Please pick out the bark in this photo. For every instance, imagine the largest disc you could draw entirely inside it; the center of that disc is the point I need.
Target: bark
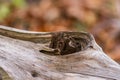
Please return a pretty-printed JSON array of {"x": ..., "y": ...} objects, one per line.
[{"x": 21, "y": 59}]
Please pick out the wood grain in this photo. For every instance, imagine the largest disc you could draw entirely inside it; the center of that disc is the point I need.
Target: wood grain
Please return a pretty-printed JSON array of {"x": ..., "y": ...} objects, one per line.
[{"x": 21, "y": 60}]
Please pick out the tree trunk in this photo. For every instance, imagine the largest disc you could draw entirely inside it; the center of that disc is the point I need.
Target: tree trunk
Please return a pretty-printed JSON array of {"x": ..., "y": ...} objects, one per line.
[{"x": 21, "y": 59}]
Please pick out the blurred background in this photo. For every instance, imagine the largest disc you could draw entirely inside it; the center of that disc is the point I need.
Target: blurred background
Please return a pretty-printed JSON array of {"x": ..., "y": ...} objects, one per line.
[{"x": 99, "y": 17}]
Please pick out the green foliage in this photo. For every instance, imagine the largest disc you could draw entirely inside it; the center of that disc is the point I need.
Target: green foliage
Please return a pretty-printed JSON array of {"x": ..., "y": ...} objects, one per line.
[
  {"x": 4, "y": 11},
  {"x": 18, "y": 3},
  {"x": 5, "y": 7}
]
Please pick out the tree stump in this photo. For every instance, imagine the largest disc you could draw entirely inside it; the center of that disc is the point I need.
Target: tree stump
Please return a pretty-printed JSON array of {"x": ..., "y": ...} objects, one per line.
[{"x": 29, "y": 56}]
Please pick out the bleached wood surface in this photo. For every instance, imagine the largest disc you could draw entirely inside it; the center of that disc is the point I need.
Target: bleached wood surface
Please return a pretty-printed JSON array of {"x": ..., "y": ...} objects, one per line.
[{"x": 21, "y": 60}]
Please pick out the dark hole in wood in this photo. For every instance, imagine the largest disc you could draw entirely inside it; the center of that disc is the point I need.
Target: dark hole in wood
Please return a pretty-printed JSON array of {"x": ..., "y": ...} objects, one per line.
[
  {"x": 69, "y": 42},
  {"x": 49, "y": 52},
  {"x": 34, "y": 74}
]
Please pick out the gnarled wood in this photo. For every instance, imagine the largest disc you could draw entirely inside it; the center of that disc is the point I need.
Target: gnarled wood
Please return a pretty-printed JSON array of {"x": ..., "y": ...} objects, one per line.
[{"x": 21, "y": 60}]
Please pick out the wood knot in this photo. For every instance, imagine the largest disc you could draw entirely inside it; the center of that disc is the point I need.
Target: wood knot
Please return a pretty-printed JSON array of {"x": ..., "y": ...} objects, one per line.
[{"x": 70, "y": 42}]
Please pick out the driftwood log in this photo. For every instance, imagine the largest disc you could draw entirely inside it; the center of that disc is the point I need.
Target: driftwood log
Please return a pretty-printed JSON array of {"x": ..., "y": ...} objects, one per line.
[{"x": 53, "y": 56}]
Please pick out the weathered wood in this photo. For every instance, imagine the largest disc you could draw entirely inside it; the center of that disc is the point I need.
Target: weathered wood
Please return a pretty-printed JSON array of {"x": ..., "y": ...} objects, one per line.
[{"x": 21, "y": 60}]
